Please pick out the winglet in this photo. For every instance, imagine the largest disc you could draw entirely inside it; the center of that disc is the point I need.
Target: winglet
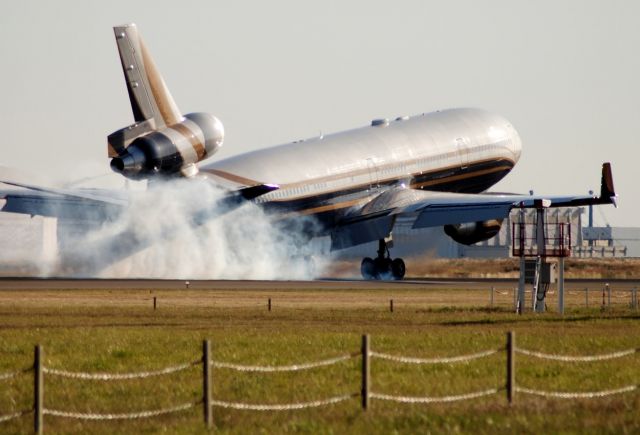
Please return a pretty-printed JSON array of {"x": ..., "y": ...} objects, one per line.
[{"x": 607, "y": 191}]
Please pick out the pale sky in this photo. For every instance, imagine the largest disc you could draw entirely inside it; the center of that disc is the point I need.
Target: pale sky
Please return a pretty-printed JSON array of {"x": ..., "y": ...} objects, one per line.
[{"x": 565, "y": 73}]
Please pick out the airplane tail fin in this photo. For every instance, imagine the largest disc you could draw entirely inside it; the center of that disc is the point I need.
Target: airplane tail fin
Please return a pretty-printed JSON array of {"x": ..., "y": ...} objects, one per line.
[
  {"x": 607, "y": 191},
  {"x": 151, "y": 102}
]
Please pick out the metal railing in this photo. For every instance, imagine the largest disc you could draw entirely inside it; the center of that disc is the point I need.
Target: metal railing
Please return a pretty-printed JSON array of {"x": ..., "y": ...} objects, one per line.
[{"x": 557, "y": 240}]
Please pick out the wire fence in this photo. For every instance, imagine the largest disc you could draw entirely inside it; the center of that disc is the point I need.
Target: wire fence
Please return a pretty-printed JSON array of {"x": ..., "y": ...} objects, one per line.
[
  {"x": 366, "y": 394},
  {"x": 126, "y": 416},
  {"x": 605, "y": 297},
  {"x": 443, "y": 360},
  {"x": 290, "y": 368},
  {"x": 118, "y": 376},
  {"x": 14, "y": 415},
  {"x": 7, "y": 376},
  {"x": 442, "y": 399},
  {"x": 575, "y": 358},
  {"x": 11, "y": 375},
  {"x": 577, "y": 395},
  {"x": 284, "y": 407}
]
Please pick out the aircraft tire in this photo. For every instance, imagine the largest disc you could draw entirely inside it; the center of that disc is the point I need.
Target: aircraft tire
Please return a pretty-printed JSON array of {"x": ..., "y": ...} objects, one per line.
[
  {"x": 368, "y": 268},
  {"x": 398, "y": 268},
  {"x": 383, "y": 268}
]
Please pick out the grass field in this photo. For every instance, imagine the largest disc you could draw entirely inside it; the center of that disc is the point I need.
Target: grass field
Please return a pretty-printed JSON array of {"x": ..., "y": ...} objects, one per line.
[
  {"x": 425, "y": 266},
  {"x": 118, "y": 331}
]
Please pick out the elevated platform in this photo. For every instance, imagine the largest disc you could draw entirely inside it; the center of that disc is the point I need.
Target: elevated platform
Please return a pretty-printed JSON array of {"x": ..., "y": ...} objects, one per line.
[{"x": 556, "y": 237}]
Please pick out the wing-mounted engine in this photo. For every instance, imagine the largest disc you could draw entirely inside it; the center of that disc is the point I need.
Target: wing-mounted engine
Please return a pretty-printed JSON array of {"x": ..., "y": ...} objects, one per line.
[
  {"x": 473, "y": 232},
  {"x": 161, "y": 141},
  {"x": 172, "y": 150}
]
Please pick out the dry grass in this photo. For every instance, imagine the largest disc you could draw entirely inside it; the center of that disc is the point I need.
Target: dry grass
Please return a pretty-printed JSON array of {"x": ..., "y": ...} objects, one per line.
[
  {"x": 118, "y": 331},
  {"x": 426, "y": 267}
]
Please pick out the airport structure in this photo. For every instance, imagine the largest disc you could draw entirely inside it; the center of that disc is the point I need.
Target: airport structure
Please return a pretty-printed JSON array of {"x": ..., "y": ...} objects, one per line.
[
  {"x": 586, "y": 241},
  {"x": 27, "y": 243}
]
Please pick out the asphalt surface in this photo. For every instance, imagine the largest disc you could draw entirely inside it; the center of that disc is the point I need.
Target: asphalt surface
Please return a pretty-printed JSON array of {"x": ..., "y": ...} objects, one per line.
[{"x": 329, "y": 284}]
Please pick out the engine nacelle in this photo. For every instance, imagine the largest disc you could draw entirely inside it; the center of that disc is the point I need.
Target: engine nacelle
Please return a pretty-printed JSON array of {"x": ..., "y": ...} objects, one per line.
[
  {"x": 473, "y": 232},
  {"x": 171, "y": 150}
]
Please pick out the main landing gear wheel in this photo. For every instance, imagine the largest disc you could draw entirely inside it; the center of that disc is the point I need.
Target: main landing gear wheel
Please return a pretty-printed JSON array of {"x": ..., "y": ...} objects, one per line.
[
  {"x": 398, "y": 268},
  {"x": 382, "y": 267},
  {"x": 368, "y": 268}
]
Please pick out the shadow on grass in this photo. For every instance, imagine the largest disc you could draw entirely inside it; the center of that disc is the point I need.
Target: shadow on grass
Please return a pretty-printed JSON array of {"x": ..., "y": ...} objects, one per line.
[{"x": 540, "y": 318}]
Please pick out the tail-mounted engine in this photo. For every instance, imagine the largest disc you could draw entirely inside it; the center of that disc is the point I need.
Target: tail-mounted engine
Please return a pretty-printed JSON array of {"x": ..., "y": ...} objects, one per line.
[
  {"x": 172, "y": 150},
  {"x": 473, "y": 232},
  {"x": 162, "y": 141}
]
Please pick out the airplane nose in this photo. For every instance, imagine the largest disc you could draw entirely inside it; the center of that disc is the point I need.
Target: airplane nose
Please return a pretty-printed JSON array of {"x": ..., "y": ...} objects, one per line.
[{"x": 515, "y": 143}]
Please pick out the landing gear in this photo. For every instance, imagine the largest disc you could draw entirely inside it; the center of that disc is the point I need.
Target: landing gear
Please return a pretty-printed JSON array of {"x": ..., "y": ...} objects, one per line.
[
  {"x": 397, "y": 268},
  {"x": 368, "y": 268},
  {"x": 382, "y": 267}
]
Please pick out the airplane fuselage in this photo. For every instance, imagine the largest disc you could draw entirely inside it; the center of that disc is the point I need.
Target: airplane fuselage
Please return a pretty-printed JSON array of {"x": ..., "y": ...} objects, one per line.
[{"x": 456, "y": 150}]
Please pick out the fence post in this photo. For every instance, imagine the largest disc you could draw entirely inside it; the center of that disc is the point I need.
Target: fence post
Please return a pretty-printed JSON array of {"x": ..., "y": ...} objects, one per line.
[
  {"x": 269, "y": 304},
  {"x": 493, "y": 289},
  {"x": 511, "y": 366},
  {"x": 561, "y": 286},
  {"x": 586, "y": 297},
  {"x": 366, "y": 372},
  {"x": 608, "y": 295},
  {"x": 391, "y": 305},
  {"x": 206, "y": 383},
  {"x": 155, "y": 303},
  {"x": 38, "y": 390}
]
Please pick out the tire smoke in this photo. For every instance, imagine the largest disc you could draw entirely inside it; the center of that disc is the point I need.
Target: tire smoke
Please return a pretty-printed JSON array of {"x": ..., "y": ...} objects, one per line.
[{"x": 183, "y": 229}]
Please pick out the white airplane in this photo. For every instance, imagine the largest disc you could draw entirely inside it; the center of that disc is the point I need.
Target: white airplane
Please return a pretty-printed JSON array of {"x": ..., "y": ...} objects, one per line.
[{"x": 353, "y": 185}]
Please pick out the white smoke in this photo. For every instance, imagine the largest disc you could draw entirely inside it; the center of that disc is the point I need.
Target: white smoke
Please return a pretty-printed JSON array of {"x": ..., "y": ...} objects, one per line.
[{"x": 176, "y": 230}]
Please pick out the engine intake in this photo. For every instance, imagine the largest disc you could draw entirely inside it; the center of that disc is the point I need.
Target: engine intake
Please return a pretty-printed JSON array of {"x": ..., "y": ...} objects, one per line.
[
  {"x": 171, "y": 150},
  {"x": 473, "y": 232}
]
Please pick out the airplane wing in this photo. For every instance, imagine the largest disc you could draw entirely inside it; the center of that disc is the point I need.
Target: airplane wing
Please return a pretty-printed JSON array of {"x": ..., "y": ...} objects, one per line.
[
  {"x": 375, "y": 220},
  {"x": 62, "y": 203},
  {"x": 86, "y": 194},
  {"x": 102, "y": 203},
  {"x": 99, "y": 206}
]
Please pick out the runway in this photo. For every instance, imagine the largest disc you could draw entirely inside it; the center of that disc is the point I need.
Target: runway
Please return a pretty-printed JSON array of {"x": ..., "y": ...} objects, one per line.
[{"x": 321, "y": 284}]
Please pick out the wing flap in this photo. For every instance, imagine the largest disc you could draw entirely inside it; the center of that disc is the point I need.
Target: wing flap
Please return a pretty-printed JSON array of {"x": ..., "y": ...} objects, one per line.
[
  {"x": 435, "y": 216},
  {"x": 357, "y": 233}
]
